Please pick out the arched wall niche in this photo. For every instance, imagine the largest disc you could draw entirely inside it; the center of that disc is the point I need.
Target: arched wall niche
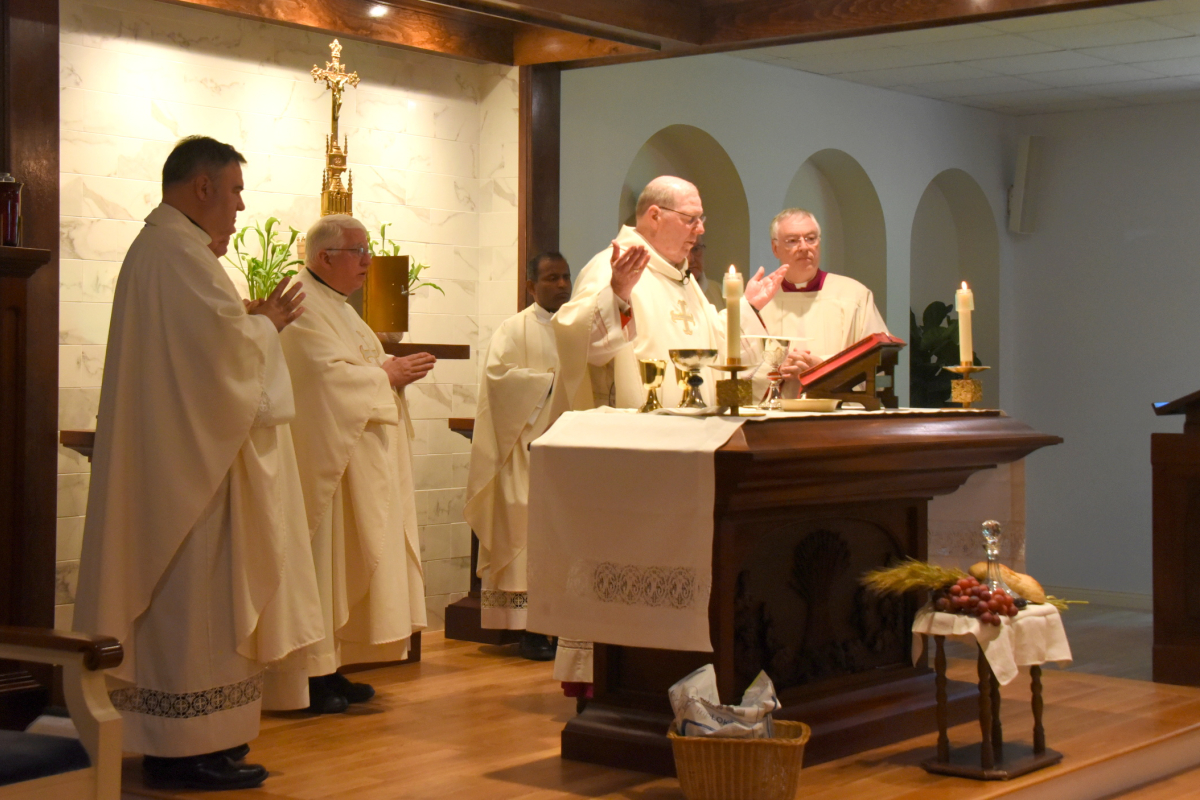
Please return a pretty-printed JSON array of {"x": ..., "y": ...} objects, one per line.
[
  {"x": 693, "y": 154},
  {"x": 954, "y": 239},
  {"x": 836, "y": 189}
]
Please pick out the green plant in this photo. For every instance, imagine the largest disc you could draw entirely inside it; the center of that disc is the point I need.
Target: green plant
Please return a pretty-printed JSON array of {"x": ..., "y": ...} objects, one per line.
[
  {"x": 383, "y": 246},
  {"x": 933, "y": 344},
  {"x": 274, "y": 260}
]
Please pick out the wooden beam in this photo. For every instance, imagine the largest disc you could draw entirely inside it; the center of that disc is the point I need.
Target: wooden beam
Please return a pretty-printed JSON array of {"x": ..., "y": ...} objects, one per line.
[
  {"x": 407, "y": 24},
  {"x": 538, "y": 166},
  {"x": 769, "y": 22},
  {"x": 665, "y": 20},
  {"x": 546, "y": 46}
]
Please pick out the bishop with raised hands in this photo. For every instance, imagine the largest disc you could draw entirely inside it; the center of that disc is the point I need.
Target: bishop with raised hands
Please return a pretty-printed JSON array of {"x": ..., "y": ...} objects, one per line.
[
  {"x": 514, "y": 409},
  {"x": 636, "y": 300},
  {"x": 196, "y": 552},
  {"x": 353, "y": 437}
]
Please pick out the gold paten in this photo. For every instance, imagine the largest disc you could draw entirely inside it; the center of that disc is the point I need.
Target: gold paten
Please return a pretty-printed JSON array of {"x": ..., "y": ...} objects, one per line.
[
  {"x": 336, "y": 198},
  {"x": 652, "y": 371}
]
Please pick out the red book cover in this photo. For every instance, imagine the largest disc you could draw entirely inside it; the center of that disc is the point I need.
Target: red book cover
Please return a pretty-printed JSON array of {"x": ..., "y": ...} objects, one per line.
[{"x": 851, "y": 354}]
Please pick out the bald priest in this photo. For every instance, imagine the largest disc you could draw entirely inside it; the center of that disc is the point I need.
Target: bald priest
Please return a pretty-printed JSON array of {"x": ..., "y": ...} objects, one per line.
[
  {"x": 196, "y": 552},
  {"x": 353, "y": 437},
  {"x": 514, "y": 409}
]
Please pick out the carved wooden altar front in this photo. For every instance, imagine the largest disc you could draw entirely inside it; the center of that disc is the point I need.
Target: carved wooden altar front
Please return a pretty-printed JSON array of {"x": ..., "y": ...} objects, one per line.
[{"x": 803, "y": 507}]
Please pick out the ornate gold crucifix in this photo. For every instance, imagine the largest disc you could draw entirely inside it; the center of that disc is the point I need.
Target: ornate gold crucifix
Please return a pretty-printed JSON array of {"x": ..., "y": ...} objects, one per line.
[{"x": 334, "y": 198}]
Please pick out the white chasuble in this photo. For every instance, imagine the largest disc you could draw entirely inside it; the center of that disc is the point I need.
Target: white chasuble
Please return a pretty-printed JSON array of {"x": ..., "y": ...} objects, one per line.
[
  {"x": 513, "y": 410},
  {"x": 196, "y": 552},
  {"x": 832, "y": 318},
  {"x": 352, "y": 434},
  {"x": 598, "y": 359}
]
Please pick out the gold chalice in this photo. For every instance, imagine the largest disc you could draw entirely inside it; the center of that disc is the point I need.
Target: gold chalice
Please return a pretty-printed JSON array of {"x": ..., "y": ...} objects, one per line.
[
  {"x": 652, "y": 371},
  {"x": 691, "y": 362}
]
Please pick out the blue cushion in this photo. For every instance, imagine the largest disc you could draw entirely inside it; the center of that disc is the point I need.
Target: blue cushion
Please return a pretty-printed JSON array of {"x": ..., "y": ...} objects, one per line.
[{"x": 26, "y": 756}]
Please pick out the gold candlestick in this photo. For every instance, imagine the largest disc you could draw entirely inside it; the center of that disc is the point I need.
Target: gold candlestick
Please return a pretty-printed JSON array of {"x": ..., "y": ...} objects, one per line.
[
  {"x": 966, "y": 390},
  {"x": 734, "y": 392}
]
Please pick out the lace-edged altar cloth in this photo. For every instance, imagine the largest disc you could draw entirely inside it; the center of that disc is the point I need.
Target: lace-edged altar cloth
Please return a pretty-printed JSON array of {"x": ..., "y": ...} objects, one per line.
[
  {"x": 1034, "y": 636},
  {"x": 621, "y": 528}
]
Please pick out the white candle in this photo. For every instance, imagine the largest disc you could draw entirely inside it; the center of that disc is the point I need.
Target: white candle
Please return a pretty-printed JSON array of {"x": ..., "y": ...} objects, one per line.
[
  {"x": 733, "y": 316},
  {"x": 964, "y": 304}
]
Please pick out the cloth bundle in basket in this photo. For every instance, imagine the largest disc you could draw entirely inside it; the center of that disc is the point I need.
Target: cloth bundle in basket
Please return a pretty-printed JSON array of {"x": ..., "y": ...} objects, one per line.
[{"x": 698, "y": 709}]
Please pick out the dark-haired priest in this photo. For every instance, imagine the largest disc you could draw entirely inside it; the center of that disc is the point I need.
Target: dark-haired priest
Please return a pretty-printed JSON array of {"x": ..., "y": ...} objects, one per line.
[
  {"x": 515, "y": 381},
  {"x": 195, "y": 551}
]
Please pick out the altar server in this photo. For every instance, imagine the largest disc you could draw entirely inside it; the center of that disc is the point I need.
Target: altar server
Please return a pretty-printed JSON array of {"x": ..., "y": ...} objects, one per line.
[
  {"x": 353, "y": 436},
  {"x": 195, "y": 552},
  {"x": 833, "y": 311},
  {"x": 637, "y": 301},
  {"x": 513, "y": 410}
]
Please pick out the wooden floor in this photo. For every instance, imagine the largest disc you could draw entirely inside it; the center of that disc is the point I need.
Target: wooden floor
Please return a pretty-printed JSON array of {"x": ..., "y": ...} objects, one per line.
[{"x": 472, "y": 721}]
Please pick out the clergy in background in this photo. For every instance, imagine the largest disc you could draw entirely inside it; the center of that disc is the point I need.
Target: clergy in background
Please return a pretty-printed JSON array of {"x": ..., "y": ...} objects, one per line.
[
  {"x": 195, "y": 551},
  {"x": 695, "y": 259},
  {"x": 832, "y": 311},
  {"x": 353, "y": 436},
  {"x": 514, "y": 409},
  {"x": 638, "y": 301}
]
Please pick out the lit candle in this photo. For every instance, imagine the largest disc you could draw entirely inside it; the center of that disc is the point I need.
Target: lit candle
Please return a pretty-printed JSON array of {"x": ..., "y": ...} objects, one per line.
[
  {"x": 964, "y": 304},
  {"x": 733, "y": 316}
]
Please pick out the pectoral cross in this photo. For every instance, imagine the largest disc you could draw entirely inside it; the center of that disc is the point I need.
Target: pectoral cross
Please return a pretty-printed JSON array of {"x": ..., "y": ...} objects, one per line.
[
  {"x": 685, "y": 316},
  {"x": 337, "y": 79}
]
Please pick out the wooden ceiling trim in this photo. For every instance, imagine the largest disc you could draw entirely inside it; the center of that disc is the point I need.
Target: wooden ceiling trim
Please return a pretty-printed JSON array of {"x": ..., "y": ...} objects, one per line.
[
  {"x": 413, "y": 25},
  {"x": 665, "y": 20},
  {"x": 545, "y": 46},
  {"x": 554, "y": 22}
]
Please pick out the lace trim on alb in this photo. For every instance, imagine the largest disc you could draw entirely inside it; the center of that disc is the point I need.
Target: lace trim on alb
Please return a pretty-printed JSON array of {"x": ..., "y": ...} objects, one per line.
[
  {"x": 495, "y": 598},
  {"x": 171, "y": 705},
  {"x": 633, "y": 585}
]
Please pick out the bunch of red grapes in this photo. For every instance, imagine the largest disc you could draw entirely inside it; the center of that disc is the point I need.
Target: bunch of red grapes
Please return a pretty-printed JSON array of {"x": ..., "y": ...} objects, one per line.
[{"x": 968, "y": 596}]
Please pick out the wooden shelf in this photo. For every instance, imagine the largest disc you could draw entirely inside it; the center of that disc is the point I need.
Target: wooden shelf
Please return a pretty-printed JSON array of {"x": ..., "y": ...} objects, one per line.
[
  {"x": 21, "y": 262},
  {"x": 448, "y": 352}
]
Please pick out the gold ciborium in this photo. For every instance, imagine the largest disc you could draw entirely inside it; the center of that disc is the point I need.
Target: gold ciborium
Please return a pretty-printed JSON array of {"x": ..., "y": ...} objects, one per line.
[
  {"x": 691, "y": 362},
  {"x": 652, "y": 371}
]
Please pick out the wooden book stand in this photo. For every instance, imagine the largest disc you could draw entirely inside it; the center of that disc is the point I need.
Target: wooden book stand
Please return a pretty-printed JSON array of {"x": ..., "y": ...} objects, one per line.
[{"x": 837, "y": 377}]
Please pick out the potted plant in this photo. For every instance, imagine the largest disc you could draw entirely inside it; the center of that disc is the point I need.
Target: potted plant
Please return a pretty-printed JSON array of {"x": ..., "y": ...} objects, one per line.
[
  {"x": 933, "y": 344},
  {"x": 274, "y": 262},
  {"x": 393, "y": 277}
]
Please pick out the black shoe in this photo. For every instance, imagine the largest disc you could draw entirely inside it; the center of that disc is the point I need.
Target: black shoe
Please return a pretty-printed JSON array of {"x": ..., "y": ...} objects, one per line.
[
  {"x": 322, "y": 699},
  {"x": 353, "y": 692},
  {"x": 211, "y": 771},
  {"x": 235, "y": 753},
  {"x": 536, "y": 647}
]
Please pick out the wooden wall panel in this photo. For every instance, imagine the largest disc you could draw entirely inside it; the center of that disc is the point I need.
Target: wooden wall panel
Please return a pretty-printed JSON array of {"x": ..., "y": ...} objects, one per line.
[{"x": 537, "y": 202}]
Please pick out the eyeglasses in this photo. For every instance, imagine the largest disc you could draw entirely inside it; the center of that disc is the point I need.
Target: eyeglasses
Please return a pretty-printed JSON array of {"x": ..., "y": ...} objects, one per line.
[
  {"x": 360, "y": 250},
  {"x": 792, "y": 242},
  {"x": 691, "y": 220}
]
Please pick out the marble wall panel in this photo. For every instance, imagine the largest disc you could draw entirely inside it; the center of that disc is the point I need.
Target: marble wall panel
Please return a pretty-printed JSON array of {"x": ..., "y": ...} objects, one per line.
[
  {"x": 72, "y": 494},
  {"x": 69, "y": 538},
  {"x": 135, "y": 75},
  {"x": 498, "y": 297},
  {"x": 445, "y": 575},
  {"x": 66, "y": 580}
]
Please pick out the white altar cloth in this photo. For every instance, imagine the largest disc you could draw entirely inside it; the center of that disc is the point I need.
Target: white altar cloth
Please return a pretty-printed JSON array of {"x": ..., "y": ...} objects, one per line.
[
  {"x": 1033, "y": 636},
  {"x": 621, "y": 528}
]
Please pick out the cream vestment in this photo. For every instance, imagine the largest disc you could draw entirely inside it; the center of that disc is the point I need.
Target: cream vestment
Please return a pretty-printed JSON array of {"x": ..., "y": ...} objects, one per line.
[
  {"x": 598, "y": 359},
  {"x": 352, "y": 434},
  {"x": 196, "y": 552},
  {"x": 513, "y": 410}
]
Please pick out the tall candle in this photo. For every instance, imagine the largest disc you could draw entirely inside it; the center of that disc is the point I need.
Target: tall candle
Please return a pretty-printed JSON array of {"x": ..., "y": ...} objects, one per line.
[
  {"x": 964, "y": 304},
  {"x": 733, "y": 316}
]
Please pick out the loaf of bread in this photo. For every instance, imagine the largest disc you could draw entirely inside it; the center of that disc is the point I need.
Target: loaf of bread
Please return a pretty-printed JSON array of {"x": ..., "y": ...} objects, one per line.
[{"x": 1020, "y": 583}]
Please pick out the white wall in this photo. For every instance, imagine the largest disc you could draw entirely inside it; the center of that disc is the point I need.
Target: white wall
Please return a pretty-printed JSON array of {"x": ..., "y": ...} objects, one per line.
[
  {"x": 433, "y": 146},
  {"x": 1105, "y": 323}
]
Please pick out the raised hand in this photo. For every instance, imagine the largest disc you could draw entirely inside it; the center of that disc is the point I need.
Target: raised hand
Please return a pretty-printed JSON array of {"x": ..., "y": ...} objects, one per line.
[
  {"x": 627, "y": 268},
  {"x": 282, "y": 306},
  {"x": 404, "y": 370},
  {"x": 760, "y": 290}
]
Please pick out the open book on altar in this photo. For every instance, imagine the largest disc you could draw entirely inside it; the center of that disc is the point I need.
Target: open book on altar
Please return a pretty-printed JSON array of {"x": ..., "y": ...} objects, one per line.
[{"x": 839, "y": 376}]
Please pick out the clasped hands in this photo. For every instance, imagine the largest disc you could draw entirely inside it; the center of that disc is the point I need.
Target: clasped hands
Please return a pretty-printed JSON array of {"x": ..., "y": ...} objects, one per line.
[{"x": 403, "y": 370}]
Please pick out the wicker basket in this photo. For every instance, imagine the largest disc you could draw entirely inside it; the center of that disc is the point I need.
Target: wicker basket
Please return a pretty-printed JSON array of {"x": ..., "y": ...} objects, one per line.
[{"x": 713, "y": 768}]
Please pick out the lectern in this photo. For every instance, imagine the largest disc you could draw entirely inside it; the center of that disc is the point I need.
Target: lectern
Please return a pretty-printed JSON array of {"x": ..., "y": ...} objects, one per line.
[{"x": 1175, "y": 458}]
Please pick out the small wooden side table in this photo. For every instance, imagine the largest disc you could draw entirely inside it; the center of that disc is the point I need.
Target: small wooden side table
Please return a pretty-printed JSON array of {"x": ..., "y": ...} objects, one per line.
[{"x": 991, "y": 759}]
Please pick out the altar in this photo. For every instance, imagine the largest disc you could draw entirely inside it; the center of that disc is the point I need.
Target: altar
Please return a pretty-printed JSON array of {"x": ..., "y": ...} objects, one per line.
[{"x": 802, "y": 507}]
